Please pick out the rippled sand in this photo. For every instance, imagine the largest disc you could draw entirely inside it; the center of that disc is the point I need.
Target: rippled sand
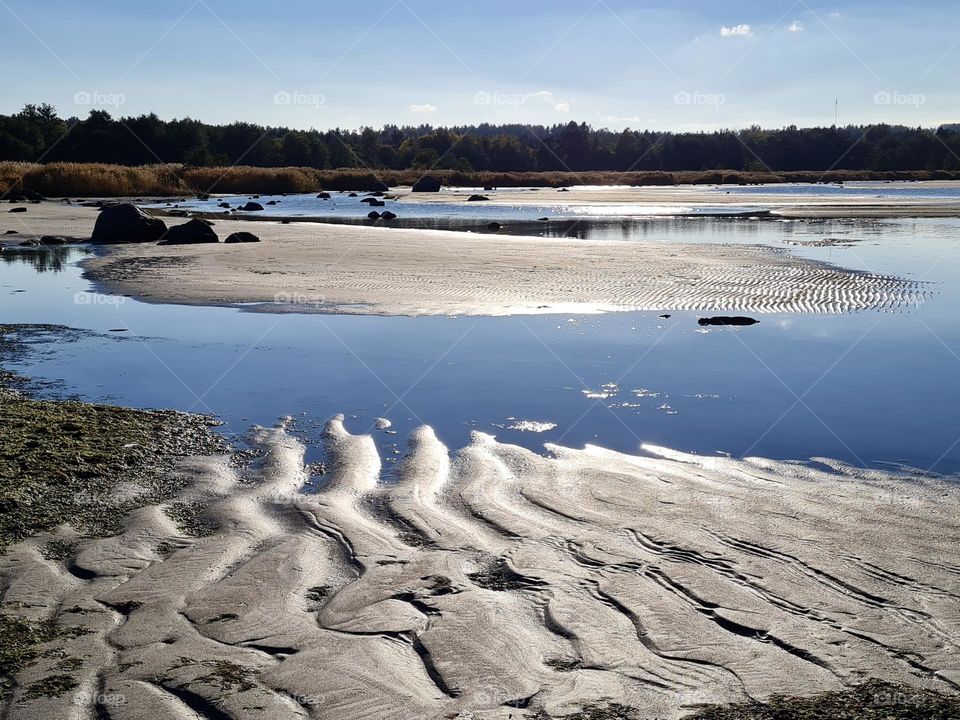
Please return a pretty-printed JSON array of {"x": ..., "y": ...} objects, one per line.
[
  {"x": 310, "y": 267},
  {"x": 496, "y": 578},
  {"x": 343, "y": 269}
]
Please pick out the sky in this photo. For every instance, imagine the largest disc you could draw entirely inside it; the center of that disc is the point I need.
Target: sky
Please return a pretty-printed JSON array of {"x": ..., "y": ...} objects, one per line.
[{"x": 643, "y": 64}]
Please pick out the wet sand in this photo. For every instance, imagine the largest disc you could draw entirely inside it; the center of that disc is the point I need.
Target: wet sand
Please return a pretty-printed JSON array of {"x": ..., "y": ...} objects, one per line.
[
  {"x": 312, "y": 267},
  {"x": 496, "y": 578}
]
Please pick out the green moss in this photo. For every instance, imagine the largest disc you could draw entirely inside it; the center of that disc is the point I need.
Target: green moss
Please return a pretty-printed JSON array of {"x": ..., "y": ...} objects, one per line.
[
  {"x": 22, "y": 643},
  {"x": 563, "y": 664},
  {"x": 191, "y": 518},
  {"x": 70, "y": 664},
  {"x": 51, "y": 686},
  {"x": 226, "y": 675},
  {"x": 58, "y": 550},
  {"x": 61, "y": 462},
  {"x": 874, "y": 700}
]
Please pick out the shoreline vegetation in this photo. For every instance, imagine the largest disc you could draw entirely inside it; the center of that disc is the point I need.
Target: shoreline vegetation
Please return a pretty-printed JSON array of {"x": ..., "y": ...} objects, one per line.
[{"x": 68, "y": 179}]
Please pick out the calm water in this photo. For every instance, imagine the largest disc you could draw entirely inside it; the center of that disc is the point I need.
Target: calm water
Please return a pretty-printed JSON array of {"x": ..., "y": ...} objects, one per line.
[
  {"x": 868, "y": 388},
  {"x": 565, "y": 219}
]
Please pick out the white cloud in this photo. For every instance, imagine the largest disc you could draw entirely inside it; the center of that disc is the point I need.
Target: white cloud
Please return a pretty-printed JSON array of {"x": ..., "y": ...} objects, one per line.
[
  {"x": 796, "y": 26},
  {"x": 561, "y": 106},
  {"x": 426, "y": 108},
  {"x": 736, "y": 31},
  {"x": 616, "y": 120}
]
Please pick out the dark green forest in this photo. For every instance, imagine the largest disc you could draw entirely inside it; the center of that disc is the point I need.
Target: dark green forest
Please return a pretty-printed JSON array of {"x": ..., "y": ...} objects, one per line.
[{"x": 38, "y": 134}]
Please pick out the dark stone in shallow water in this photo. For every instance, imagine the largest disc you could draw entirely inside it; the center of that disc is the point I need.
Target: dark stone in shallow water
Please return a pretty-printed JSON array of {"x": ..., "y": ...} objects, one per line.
[
  {"x": 387, "y": 215},
  {"x": 17, "y": 210},
  {"x": 494, "y": 226},
  {"x": 323, "y": 196},
  {"x": 373, "y": 215},
  {"x": 477, "y": 198},
  {"x": 252, "y": 207},
  {"x": 52, "y": 240},
  {"x": 738, "y": 321},
  {"x": 242, "y": 237},
  {"x": 427, "y": 184}
]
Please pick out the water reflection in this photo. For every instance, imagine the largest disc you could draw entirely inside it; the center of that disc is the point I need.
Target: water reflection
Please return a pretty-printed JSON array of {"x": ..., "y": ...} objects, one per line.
[{"x": 42, "y": 259}]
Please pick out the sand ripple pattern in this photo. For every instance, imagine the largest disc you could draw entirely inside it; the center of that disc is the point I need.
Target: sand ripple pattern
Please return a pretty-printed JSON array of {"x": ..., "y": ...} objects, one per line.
[
  {"x": 401, "y": 272},
  {"x": 494, "y": 582}
]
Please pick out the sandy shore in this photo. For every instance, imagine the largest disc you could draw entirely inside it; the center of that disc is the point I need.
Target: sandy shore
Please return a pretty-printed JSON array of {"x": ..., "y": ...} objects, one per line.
[
  {"x": 854, "y": 202},
  {"x": 494, "y": 579},
  {"x": 311, "y": 267}
]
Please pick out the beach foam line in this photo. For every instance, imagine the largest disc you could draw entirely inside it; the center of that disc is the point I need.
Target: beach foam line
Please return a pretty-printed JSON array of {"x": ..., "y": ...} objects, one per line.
[{"x": 494, "y": 578}]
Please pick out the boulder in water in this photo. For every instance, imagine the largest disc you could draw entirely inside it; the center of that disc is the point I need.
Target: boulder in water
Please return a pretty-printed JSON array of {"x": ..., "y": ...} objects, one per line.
[
  {"x": 251, "y": 207},
  {"x": 736, "y": 321},
  {"x": 387, "y": 215},
  {"x": 493, "y": 227},
  {"x": 373, "y": 215},
  {"x": 323, "y": 196},
  {"x": 477, "y": 198}
]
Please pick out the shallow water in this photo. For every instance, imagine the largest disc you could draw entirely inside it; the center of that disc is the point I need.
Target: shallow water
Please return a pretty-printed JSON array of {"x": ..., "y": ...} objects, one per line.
[{"x": 868, "y": 388}]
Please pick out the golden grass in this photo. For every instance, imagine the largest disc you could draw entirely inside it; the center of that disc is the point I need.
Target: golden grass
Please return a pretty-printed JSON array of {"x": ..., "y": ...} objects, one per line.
[{"x": 101, "y": 180}]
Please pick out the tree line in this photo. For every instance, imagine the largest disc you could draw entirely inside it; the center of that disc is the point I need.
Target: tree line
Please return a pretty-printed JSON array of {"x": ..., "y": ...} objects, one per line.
[{"x": 38, "y": 134}]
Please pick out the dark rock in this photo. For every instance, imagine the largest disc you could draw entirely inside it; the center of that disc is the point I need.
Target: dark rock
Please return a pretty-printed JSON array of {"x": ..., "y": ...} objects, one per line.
[
  {"x": 272, "y": 202},
  {"x": 179, "y": 213},
  {"x": 376, "y": 203},
  {"x": 494, "y": 226},
  {"x": 352, "y": 195},
  {"x": 52, "y": 240},
  {"x": 543, "y": 219},
  {"x": 724, "y": 320},
  {"x": 251, "y": 207},
  {"x": 284, "y": 222},
  {"x": 427, "y": 184},
  {"x": 254, "y": 197},
  {"x": 11, "y": 232},
  {"x": 373, "y": 215},
  {"x": 376, "y": 193},
  {"x": 489, "y": 189},
  {"x": 224, "y": 205},
  {"x": 17, "y": 210},
  {"x": 387, "y": 215},
  {"x": 477, "y": 198},
  {"x": 203, "y": 196},
  {"x": 242, "y": 237},
  {"x": 369, "y": 200},
  {"x": 563, "y": 190},
  {"x": 29, "y": 243},
  {"x": 664, "y": 317},
  {"x": 126, "y": 223},
  {"x": 194, "y": 232},
  {"x": 323, "y": 196}
]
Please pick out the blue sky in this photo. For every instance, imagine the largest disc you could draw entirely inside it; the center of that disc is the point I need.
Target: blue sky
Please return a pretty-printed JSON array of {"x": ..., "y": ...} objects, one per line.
[{"x": 658, "y": 65}]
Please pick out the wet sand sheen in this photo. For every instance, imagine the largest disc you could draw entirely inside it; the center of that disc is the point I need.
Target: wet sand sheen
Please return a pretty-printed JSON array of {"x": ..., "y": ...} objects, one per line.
[{"x": 496, "y": 577}]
